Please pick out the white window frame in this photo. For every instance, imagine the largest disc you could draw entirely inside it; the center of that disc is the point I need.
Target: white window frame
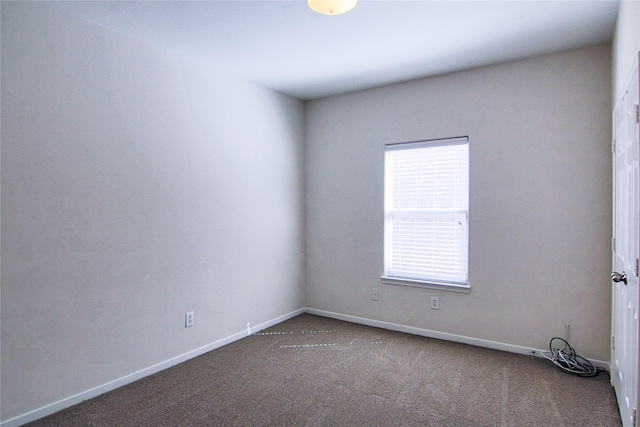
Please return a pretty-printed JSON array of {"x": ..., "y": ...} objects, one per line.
[{"x": 457, "y": 280}]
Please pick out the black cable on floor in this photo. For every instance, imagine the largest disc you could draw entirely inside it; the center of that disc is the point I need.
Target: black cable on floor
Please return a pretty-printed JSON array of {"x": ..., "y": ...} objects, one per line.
[{"x": 569, "y": 361}]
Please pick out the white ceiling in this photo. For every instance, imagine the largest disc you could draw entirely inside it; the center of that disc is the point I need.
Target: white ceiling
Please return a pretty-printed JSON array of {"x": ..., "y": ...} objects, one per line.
[{"x": 287, "y": 47}]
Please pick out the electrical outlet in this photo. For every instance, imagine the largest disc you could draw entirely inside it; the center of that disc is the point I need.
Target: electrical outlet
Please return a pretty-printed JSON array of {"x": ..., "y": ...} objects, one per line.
[
  {"x": 375, "y": 295},
  {"x": 188, "y": 319},
  {"x": 434, "y": 303}
]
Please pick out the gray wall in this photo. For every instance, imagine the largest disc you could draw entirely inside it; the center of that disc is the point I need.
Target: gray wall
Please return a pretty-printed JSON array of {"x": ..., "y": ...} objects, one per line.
[
  {"x": 540, "y": 202},
  {"x": 137, "y": 185}
]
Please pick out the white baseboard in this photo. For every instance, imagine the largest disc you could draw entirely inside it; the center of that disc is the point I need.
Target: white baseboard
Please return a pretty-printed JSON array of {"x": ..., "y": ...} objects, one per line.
[
  {"x": 127, "y": 379},
  {"x": 441, "y": 335}
]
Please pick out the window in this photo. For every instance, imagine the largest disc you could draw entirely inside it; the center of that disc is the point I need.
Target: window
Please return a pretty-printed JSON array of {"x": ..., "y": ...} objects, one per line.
[{"x": 426, "y": 213}]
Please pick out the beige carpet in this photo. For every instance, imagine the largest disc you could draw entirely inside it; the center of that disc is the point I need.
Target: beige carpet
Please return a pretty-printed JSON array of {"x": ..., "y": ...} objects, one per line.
[{"x": 313, "y": 371}]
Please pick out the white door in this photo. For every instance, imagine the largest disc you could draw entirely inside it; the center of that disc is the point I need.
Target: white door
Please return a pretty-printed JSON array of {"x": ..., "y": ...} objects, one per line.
[{"x": 624, "y": 341}]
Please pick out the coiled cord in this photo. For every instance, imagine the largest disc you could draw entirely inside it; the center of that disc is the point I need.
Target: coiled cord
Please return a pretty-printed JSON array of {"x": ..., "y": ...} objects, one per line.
[{"x": 569, "y": 361}]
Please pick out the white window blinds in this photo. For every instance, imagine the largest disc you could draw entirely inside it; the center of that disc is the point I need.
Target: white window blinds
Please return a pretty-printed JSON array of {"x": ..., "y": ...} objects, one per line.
[{"x": 426, "y": 211}]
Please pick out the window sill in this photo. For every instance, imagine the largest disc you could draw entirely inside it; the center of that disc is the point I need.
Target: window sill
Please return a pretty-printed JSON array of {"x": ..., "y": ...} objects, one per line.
[{"x": 427, "y": 285}]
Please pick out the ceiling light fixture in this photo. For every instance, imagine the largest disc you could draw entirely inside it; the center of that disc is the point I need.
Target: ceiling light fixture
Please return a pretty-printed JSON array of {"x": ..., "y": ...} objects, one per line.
[{"x": 331, "y": 7}]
